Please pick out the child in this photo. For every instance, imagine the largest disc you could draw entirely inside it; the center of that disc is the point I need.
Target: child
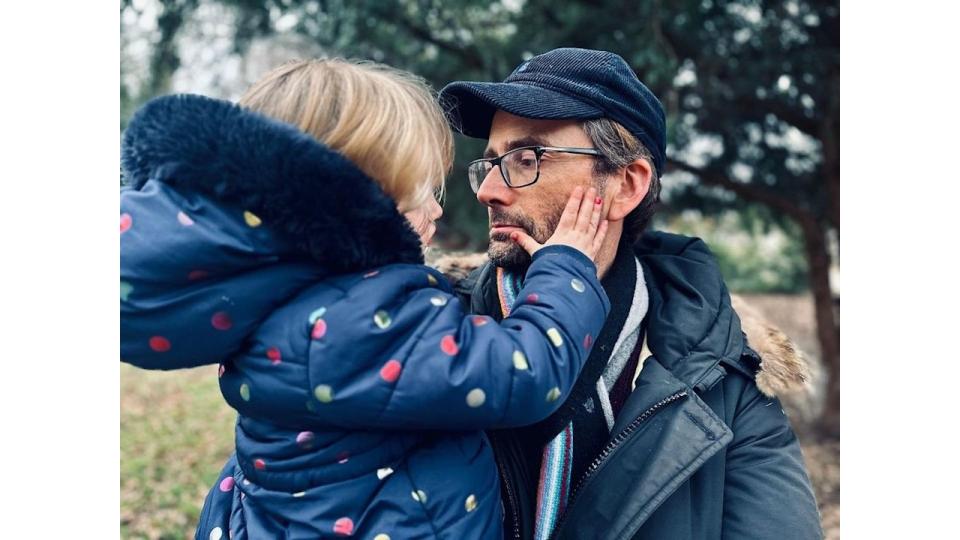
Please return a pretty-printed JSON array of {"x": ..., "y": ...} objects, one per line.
[{"x": 289, "y": 256}]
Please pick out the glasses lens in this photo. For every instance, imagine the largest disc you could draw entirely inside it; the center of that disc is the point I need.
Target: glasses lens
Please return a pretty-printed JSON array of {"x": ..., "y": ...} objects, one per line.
[
  {"x": 520, "y": 167},
  {"x": 476, "y": 172}
]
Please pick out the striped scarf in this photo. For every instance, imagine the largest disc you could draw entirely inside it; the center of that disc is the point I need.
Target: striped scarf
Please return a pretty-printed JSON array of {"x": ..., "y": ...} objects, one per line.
[
  {"x": 614, "y": 378},
  {"x": 557, "y": 461}
]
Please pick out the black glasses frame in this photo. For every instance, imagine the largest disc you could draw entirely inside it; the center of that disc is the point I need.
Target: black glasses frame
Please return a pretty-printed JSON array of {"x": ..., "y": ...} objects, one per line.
[{"x": 539, "y": 151}]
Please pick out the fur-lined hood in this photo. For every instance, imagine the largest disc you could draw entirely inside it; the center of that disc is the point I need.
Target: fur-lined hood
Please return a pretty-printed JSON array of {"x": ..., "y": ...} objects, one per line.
[
  {"x": 784, "y": 370},
  {"x": 324, "y": 204}
]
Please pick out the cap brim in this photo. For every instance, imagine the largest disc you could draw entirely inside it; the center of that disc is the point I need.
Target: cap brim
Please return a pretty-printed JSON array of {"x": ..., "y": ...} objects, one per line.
[{"x": 471, "y": 105}]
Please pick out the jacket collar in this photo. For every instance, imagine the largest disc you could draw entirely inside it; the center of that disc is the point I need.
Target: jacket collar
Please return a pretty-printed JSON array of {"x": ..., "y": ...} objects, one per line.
[
  {"x": 691, "y": 327},
  {"x": 323, "y": 203}
]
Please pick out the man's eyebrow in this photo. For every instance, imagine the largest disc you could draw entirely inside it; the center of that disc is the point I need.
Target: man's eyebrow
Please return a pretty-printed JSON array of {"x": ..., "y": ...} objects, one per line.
[{"x": 530, "y": 140}]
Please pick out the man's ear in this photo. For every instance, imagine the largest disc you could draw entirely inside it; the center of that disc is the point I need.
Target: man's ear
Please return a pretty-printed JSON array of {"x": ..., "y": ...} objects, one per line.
[{"x": 634, "y": 183}]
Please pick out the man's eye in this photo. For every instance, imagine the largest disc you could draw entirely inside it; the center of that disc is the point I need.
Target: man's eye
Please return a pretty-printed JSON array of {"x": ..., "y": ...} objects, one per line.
[{"x": 527, "y": 158}]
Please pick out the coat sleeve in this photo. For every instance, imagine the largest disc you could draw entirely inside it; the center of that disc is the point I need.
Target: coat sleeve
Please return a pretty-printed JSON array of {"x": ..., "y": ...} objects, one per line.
[
  {"x": 767, "y": 492},
  {"x": 443, "y": 369}
]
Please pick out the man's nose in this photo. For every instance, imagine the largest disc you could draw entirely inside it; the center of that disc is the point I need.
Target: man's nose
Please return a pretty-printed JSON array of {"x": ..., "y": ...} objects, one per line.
[{"x": 494, "y": 191}]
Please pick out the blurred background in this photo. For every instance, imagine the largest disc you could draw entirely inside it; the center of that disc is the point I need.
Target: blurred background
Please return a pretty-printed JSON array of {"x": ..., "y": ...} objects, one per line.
[{"x": 752, "y": 94}]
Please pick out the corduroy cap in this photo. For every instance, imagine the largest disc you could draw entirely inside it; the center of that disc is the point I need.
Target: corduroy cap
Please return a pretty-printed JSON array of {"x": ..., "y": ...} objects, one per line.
[{"x": 563, "y": 84}]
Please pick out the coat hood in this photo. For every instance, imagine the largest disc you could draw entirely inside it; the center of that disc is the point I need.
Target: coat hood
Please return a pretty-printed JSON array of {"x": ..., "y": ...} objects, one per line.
[
  {"x": 323, "y": 203},
  {"x": 227, "y": 215}
]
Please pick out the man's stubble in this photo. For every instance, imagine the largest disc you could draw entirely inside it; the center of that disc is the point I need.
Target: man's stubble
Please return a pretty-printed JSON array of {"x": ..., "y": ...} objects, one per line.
[{"x": 506, "y": 253}]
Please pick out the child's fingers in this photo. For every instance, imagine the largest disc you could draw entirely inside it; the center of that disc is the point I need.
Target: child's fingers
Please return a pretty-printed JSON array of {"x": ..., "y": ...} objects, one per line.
[
  {"x": 595, "y": 215},
  {"x": 598, "y": 239},
  {"x": 586, "y": 210},
  {"x": 529, "y": 245},
  {"x": 569, "y": 217}
]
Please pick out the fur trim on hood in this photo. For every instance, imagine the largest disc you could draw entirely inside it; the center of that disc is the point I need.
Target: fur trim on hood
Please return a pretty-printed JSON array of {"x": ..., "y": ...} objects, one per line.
[
  {"x": 320, "y": 200},
  {"x": 784, "y": 370}
]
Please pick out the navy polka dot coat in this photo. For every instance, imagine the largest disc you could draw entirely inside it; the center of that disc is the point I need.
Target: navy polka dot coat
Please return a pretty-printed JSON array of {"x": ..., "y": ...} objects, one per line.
[{"x": 360, "y": 384}]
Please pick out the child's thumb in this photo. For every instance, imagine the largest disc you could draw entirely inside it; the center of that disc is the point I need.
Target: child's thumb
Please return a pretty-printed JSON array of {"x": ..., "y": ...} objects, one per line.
[{"x": 527, "y": 242}]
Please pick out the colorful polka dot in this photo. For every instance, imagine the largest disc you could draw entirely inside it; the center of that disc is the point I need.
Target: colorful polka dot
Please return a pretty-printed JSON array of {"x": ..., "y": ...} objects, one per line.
[
  {"x": 439, "y": 300},
  {"x": 382, "y": 536},
  {"x": 533, "y": 298},
  {"x": 419, "y": 496},
  {"x": 587, "y": 341},
  {"x": 216, "y": 533},
  {"x": 553, "y": 394},
  {"x": 555, "y": 337},
  {"x": 252, "y": 219},
  {"x": 125, "y": 290},
  {"x": 323, "y": 393},
  {"x": 343, "y": 526},
  {"x": 319, "y": 329},
  {"x": 221, "y": 320},
  {"x": 479, "y": 321},
  {"x": 160, "y": 344},
  {"x": 382, "y": 319},
  {"x": 126, "y": 221},
  {"x": 449, "y": 346},
  {"x": 520, "y": 361},
  {"x": 476, "y": 397},
  {"x": 577, "y": 285},
  {"x": 431, "y": 280},
  {"x": 184, "y": 219},
  {"x": 390, "y": 371},
  {"x": 384, "y": 472},
  {"x": 226, "y": 484},
  {"x": 259, "y": 464},
  {"x": 317, "y": 313},
  {"x": 245, "y": 392},
  {"x": 273, "y": 354},
  {"x": 305, "y": 439},
  {"x": 197, "y": 275},
  {"x": 471, "y": 503}
]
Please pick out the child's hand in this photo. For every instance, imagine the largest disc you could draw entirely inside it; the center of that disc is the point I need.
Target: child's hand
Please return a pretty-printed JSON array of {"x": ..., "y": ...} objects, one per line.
[{"x": 580, "y": 226}]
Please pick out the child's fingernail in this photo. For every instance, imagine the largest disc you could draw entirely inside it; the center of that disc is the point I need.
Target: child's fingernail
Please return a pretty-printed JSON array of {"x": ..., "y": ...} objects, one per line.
[
  {"x": 513, "y": 236},
  {"x": 599, "y": 200}
]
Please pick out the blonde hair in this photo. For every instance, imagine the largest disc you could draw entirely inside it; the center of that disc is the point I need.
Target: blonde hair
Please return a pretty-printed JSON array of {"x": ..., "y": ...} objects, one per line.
[{"x": 384, "y": 120}]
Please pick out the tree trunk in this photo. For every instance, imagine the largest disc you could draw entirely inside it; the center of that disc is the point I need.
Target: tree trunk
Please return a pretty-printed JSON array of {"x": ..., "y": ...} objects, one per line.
[{"x": 828, "y": 326}]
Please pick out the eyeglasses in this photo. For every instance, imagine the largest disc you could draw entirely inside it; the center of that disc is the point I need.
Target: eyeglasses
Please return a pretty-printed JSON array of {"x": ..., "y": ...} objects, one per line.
[{"x": 519, "y": 167}]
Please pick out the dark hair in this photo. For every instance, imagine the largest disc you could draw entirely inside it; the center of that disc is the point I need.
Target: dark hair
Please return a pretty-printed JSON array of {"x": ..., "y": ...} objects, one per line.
[{"x": 620, "y": 148}]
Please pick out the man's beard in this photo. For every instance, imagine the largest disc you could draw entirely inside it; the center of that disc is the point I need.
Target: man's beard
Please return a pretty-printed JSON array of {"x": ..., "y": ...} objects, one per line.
[{"x": 506, "y": 253}]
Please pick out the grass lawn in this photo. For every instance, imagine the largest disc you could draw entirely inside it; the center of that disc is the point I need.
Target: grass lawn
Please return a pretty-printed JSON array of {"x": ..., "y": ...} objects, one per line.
[{"x": 175, "y": 434}]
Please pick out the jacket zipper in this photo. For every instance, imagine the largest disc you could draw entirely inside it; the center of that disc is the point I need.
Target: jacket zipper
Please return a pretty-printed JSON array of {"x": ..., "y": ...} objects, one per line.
[
  {"x": 511, "y": 499},
  {"x": 608, "y": 450}
]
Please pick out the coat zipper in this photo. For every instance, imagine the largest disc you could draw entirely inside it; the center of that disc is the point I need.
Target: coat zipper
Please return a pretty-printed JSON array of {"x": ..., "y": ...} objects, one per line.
[{"x": 608, "y": 450}]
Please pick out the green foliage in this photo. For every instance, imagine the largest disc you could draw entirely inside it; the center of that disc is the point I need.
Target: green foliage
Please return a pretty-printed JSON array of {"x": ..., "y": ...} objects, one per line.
[
  {"x": 751, "y": 87},
  {"x": 755, "y": 256}
]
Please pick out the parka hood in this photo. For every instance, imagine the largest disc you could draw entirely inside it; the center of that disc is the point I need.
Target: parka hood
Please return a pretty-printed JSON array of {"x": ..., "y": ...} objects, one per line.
[
  {"x": 226, "y": 216},
  {"x": 327, "y": 207}
]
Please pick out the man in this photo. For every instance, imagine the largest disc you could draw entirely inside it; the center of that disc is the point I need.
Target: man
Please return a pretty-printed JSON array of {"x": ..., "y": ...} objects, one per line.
[{"x": 666, "y": 434}]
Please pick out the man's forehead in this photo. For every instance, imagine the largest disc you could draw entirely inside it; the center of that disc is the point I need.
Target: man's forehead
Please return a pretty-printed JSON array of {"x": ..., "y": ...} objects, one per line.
[{"x": 508, "y": 131}]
